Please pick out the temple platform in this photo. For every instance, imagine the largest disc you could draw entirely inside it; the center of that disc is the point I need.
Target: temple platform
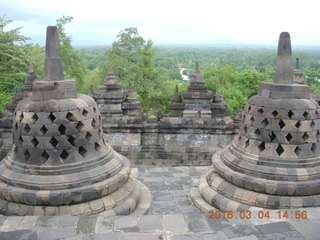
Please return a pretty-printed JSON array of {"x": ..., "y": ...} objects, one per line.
[{"x": 172, "y": 217}]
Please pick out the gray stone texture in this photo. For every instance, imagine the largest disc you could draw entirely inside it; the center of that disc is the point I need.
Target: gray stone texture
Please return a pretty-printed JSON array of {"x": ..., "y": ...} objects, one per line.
[
  {"x": 274, "y": 162},
  {"x": 198, "y": 225},
  {"x": 60, "y": 162}
]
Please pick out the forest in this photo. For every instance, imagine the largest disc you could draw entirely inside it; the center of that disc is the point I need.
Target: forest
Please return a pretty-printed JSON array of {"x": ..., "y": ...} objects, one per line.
[{"x": 151, "y": 70}]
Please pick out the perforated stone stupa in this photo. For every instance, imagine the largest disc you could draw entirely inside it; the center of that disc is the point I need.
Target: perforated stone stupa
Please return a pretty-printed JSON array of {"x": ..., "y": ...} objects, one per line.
[
  {"x": 60, "y": 162},
  {"x": 274, "y": 162}
]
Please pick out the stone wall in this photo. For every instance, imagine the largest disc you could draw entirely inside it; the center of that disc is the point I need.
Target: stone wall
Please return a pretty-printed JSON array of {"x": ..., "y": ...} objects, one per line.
[{"x": 171, "y": 141}]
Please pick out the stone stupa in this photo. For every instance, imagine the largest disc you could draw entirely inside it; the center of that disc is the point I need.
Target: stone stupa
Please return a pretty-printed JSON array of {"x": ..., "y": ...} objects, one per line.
[
  {"x": 274, "y": 162},
  {"x": 197, "y": 98},
  {"x": 60, "y": 162},
  {"x": 110, "y": 96},
  {"x": 176, "y": 105}
]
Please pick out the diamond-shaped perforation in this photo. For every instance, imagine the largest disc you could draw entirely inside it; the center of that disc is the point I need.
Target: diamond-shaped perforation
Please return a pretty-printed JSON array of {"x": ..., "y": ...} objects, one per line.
[
  {"x": 71, "y": 139},
  {"x": 34, "y": 118},
  {"x": 26, "y": 155},
  {"x": 64, "y": 155},
  {"x": 82, "y": 151},
  {"x": 265, "y": 122},
  {"x": 54, "y": 142},
  {"x": 26, "y": 129},
  {"x": 21, "y": 117},
  {"x": 45, "y": 155},
  {"x": 289, "y": 137},
  {"x": 249, "y": 108},
  {"x": 85, "y": 113},
  {"x": 16, "y": 126},
  {"x": 305, "y": 137},
  {"x": 305, "y": 114},
  {"x": 34, "y": 142},
  {"x": 275, "y": 113},
  {"x": 298, "y": 125},
  {"x": 51, "y": 117},
  {"x": 297, "y": 151},
  {"x": 272, "y": 136},
  {"x": 282, "y": 124},
  {"x": 88, "y": 136},
  {"x": 252, "y": 120},
  {"x": 290, "y": 114},
  {"x": 94, "y": 123},
  {"x": 261, "y": 147},
  {"x": 62, "y": 129},
  {"x": 247, "y": 143},
  {"x": 94, "y": 109},
  {"x": 312, "y": 124},
  {"x": 79, "y": 126},
  {"x": 97, "y": 147},
  {"x": 318, "y": 135},
  {"x": 257, "y": 132},
  {"x": 69, "y": 116},
  {"x": 20, "y": 140},
  {"x": 279, "y": 150},
  {"x": 43, "y": 130},
  {"x": 260, "y": 110},
  {"x": 245, "y": 129}
]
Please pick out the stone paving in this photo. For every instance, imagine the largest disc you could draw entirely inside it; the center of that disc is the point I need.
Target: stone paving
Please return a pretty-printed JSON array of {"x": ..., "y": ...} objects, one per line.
[{"x": 172, "y": 218}]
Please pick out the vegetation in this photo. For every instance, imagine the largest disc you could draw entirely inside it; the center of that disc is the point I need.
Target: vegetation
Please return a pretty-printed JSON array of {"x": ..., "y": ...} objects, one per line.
[
  {"x": 73, "y": 65},
  {"x": 15, "y": 56},
  {"x": 152, "y": 72}
]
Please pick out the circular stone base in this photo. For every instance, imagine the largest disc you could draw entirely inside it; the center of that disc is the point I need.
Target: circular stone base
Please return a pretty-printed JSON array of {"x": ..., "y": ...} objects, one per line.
[
  {"x": 206, "y": 198},
  {"x": 121, "y": 202}
]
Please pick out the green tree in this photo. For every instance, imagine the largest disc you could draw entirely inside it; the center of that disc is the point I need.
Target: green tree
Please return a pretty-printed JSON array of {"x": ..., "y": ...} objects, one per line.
[
  {"x": 237, "y": 86},
  {"x": 73, "y": 65},
  {"x": 13, "y": 61},
  {"x": 131, "y": 58}
]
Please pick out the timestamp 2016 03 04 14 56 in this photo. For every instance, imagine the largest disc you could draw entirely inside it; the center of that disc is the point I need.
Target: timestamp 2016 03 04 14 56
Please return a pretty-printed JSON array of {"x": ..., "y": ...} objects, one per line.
[{"x": 265, "y": 214}]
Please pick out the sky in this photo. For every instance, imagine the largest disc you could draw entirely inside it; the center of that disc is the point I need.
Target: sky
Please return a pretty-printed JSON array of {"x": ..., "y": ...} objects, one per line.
[{"x": 97, "y": 22}]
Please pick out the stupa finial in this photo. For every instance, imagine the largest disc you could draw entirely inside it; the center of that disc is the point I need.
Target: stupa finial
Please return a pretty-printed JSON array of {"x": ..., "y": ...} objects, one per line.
[
  {"x": 284, "y": 71},
  {"x": 197, "y": 67},
  {"x": 297, "y": 66},
  {"x": 53, "y": 61},
  {"x": 110, "y": 71}
]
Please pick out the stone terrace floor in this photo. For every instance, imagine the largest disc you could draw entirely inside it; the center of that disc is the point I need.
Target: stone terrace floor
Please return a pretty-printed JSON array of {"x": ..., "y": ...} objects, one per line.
[{"x": 172, "y": 217}]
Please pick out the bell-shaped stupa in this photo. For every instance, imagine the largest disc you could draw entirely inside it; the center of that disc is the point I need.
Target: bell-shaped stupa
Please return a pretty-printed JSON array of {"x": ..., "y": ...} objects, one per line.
[
  {"x": 274, "y": 162},
  {"x": 60, "y": 162}
]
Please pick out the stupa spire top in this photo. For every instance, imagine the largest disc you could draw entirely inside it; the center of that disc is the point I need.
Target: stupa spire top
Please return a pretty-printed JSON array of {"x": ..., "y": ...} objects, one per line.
[
  {"x": 53, "y": 61},
  {"x": 297, "y": 65},
  {"x": 110, "y": 71},
  {"x": 197, "y": 67},
  {"x": 284, "y": 71}
]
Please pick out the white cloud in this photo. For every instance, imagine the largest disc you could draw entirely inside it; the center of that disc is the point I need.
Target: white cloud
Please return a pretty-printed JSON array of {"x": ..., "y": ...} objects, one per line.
[{"x": 250, "y": 21}]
